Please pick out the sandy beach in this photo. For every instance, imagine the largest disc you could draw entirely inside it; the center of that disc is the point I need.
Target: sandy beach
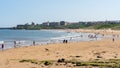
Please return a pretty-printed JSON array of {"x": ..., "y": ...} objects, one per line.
[
  {"x": 101, "y": 31},
  {"x": 83, "y": 51}
]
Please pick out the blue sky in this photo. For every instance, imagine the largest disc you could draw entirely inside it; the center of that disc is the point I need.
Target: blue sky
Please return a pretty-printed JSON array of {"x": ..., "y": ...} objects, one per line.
[{"x": 13, "y": 12}]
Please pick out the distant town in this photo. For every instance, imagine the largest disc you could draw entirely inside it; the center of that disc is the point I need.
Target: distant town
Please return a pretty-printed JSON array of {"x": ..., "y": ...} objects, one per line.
[{"x": 70, "y": 25}]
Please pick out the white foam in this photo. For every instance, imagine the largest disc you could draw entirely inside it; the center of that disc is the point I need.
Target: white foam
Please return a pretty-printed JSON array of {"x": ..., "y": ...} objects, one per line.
[{"x": 1, "y": 42}]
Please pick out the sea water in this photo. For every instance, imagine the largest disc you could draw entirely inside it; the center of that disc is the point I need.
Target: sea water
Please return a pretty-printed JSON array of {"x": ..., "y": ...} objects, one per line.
[{"x": 26, "y": 37}]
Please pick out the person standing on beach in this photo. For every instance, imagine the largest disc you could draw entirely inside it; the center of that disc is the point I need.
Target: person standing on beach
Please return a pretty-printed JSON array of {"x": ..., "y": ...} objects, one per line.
[
  {"x": 34, "y": 43},
  {"x": 95, "y": 37},
  {"x": 113, "y": 39},
  {"x": 14, "y": 44},
  {"x": 66, "y": 41},
  {"x": 2, "y": 46}
]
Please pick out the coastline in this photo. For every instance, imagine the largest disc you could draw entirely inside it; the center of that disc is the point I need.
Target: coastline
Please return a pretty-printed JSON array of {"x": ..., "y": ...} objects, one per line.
[
  {"x": 86, "y": 51},
  {"x": 57, "y": 36}
]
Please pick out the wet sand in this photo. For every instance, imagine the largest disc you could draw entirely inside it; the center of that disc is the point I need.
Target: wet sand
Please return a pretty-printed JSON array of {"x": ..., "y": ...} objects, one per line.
[{"x": 83, "y": 51}]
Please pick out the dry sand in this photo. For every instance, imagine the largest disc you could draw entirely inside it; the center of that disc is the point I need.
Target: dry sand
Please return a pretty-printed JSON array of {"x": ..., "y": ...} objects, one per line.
[{"x": 106, "y": 49}]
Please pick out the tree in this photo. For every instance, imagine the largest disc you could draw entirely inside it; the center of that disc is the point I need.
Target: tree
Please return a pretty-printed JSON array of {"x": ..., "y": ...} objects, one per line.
[{"x": 32, "y": 23}]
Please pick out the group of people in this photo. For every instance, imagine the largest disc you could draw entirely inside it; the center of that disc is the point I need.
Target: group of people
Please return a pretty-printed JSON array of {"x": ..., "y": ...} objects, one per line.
[
  {"x": 2, "y": 43},
  {"x": 65, "y": 41},
  {"x": 15, "y": 43},
  {"x": 92, "y": 36}
]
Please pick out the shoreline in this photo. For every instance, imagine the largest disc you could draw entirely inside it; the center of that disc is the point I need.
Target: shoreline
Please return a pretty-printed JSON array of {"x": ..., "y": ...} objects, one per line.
[
  {"x": 72, "y": 37},
  {"x": 81, "y": 51},
  {"x": 84, "y": 51}
]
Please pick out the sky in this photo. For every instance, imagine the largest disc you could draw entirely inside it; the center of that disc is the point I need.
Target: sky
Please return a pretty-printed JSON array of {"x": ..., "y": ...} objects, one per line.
[{"x": 14, "y": 12}]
